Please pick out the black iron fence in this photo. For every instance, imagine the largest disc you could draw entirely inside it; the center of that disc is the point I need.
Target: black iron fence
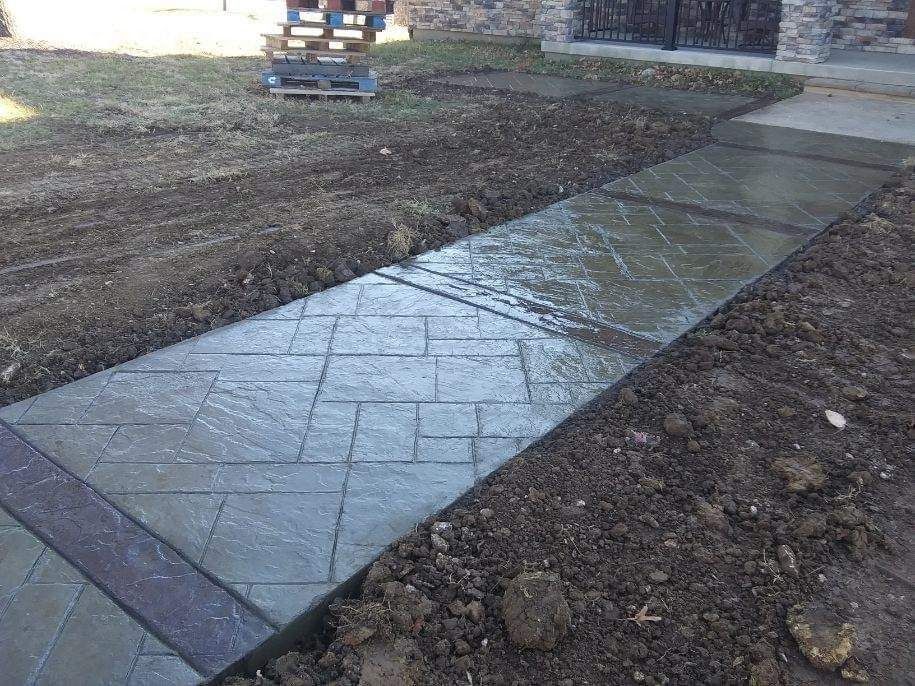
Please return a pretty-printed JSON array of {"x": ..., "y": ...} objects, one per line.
[{"x": 750, "y": 25}]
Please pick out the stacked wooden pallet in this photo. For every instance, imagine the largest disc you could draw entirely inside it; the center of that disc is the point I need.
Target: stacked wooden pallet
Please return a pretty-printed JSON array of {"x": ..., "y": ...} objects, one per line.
[{"x": 320, "y": 46}]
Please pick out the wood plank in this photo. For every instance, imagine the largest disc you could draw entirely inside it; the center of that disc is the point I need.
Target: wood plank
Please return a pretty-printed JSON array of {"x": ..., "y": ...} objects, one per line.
[
  {"x": 322, "y": 25},
  {"x": 269, "y": 50},
  {"x": 316, "y": 39},
  {"x": 315, "y": 91}
]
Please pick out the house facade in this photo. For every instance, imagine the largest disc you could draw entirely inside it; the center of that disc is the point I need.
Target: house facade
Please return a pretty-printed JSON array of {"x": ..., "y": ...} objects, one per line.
[{"x": 788, "y": 30}]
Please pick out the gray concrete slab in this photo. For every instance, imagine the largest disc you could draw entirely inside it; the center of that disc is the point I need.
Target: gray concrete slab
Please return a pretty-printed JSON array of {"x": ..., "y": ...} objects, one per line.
[
  {"x": 537, "y": 84},
  {"x": 858, "y": 115},
  {"x": 798, "y": 141},
  {"x": 777, "y": 187},
  {"x": 692, "y": 102},
  {"x": 603, "y": 91}
]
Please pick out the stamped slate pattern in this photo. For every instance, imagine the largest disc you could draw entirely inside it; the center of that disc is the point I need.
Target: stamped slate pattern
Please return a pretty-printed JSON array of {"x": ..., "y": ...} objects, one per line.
[
  {"x": 210, "y": 626},
  {"x": 637, "y": 269},
  {"x": 763, "y": 185},
  {"x": 57, "y": 628},
  {"x": 250, "y": 449}
]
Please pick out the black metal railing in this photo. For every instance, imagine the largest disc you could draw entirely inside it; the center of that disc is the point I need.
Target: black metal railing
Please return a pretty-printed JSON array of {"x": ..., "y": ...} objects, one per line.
[{"x": 750, "y": 25}]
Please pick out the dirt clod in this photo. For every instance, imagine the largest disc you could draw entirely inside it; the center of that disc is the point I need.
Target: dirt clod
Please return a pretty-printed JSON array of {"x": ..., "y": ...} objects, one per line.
[
  {"x": 535, "y": 610},
  {"x": 854, "y": 392},
  {"x": 801, "y": 472},
  {"x": 824, "y": 641},
  {"x": 677, "y": 425}
]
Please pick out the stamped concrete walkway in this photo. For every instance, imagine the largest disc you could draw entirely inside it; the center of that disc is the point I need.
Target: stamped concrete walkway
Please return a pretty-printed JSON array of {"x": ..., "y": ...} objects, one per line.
[{"x": 163, "y": 518}]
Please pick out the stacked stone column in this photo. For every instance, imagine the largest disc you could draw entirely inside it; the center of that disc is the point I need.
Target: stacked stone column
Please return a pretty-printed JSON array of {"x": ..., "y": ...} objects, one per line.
[
  {"x": 559, "y": 20},
  {"x": 805, "y": 31}
]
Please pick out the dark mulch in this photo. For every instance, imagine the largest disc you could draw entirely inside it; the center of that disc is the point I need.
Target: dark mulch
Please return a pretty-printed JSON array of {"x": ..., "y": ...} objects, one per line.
[{"x": 687, "y": 526}]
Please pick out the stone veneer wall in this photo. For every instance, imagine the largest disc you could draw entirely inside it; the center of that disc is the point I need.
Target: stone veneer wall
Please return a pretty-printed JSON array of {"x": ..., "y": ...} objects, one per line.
[
  {"x": 805, "y": 31},
  {"x": 875, "y": 25},
  {"x": 515, "y": 18}
]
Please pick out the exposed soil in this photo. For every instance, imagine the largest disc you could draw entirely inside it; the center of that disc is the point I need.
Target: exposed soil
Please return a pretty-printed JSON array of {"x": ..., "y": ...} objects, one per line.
[
  {"x": 662, "y": 509},
  {"x": 119, "y": 243}
]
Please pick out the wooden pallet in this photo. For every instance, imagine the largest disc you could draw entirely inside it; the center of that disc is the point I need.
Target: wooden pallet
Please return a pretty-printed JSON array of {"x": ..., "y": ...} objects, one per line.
[
  {"x": 296, "y": 14},
  {"x": 350, "y": 55},
  {"x": 279, "y": 41},
  {"x": 324, "y": 25},
  {"x": 322, "y": 94}
]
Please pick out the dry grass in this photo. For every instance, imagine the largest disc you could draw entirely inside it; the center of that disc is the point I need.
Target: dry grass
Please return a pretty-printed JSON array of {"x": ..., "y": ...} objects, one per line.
[{"x": 401, "y": 240}]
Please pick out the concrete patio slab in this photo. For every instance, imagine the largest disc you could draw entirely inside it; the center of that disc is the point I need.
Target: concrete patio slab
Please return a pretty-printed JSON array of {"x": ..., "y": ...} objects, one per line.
[
  {"x": 692, "y": 102},
  {"x": 857, "y": 115},
  {"x": 709, "y": 104},
  {"x": 859, "y": 151},
  {"x": 776, "y": 187},
  {"x": 270, "y": 460}
]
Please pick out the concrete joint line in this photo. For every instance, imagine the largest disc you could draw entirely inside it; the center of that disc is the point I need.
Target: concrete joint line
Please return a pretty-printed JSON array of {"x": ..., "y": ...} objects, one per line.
[
  {"x": 809, "y": 156},
  {"x": 777, "y": 227},
  {"x": 575, "y": 326}
]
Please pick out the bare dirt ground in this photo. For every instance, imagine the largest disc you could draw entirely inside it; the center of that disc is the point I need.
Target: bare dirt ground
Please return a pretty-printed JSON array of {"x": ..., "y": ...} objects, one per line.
[
  {"x": 706, "y": 524},
  {"x": 148, "y": 199}
]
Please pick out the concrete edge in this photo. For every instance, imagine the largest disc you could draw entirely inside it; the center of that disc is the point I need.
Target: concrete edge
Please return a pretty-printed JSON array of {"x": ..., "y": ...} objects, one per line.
[{"x": 723, "y": 60}]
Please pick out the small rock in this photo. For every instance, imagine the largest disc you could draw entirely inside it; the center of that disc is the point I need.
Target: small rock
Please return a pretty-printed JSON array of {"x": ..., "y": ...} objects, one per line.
[
  {"x": 534, "y": 610},
  {"x": 476, "y": 209},
  {"x": 787, "y": 560},
  {"x": 693, "y": 446},
  {"x": 457, "y": 608},
  {"x": 442, "y": 527},
  {"x": 853, "y": 670},
  {"x": 764, "y": 673},
  {"x": 648, "y": 73},
  {"x": 343, "y": 273},
  {"x": 358, "y": 635},
  {"x": 786, "y": 412},
  {"x": 9, "y": 372},
  {"x": 619, "y": 530},
  {"x": 825, "y": 642},
  {"x": 659, "y": 577},
  {"x": 802, "y": 472},
  {"x": 475, "y": 612},
  {"x": 854, "y": 393},
  {"x": 462, "y": 647},
  {"x": 439, "y": 543},
  {"x": 677, "y": 425},
  {"x": 713, "y": 517},
  {"x": 628, "y": 396},
  {"x": 739, "y": 323}
]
